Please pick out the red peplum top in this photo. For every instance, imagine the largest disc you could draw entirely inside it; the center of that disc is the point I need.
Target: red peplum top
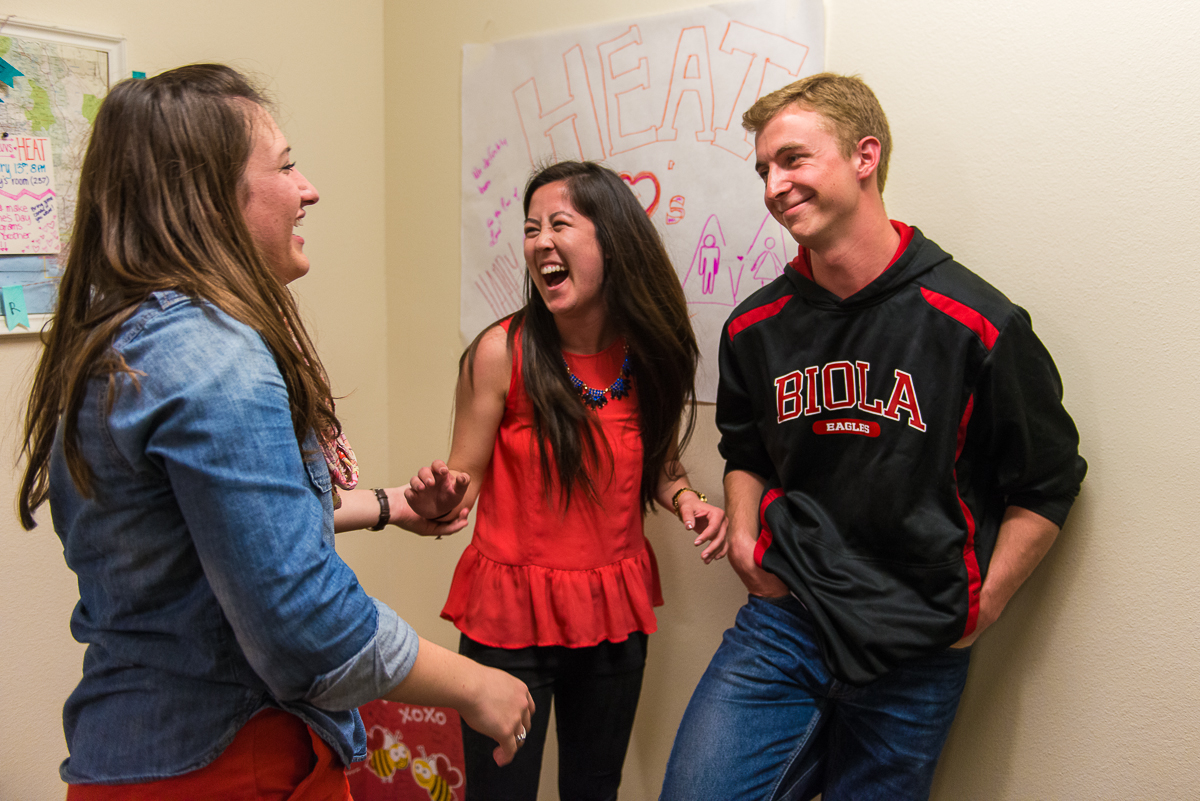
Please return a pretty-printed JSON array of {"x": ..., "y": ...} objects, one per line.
[{"x": 538, "y": 574}]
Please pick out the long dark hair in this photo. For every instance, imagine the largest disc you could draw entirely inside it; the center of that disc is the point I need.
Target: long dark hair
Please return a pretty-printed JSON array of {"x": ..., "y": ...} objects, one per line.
[
  {"x": 645, "y": 305},
  {"x": 159, "y": 208}
]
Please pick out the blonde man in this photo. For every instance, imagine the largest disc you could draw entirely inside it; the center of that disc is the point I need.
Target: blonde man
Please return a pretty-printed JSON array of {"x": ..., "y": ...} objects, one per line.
[{"x": 898, "y": 460}]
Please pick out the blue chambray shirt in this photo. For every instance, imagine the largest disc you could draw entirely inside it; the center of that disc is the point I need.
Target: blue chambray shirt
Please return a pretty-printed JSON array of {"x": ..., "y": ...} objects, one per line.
[{"x": 209, "y": 587}]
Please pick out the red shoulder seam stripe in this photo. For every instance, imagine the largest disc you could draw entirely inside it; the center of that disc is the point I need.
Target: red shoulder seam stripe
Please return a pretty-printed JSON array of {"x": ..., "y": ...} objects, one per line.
[
  {"x": 765, "y": 536},
  {"x": 747, "y": 319},
  {"x": 972, "y": 319},
  {"x": 970, "y": 558}
]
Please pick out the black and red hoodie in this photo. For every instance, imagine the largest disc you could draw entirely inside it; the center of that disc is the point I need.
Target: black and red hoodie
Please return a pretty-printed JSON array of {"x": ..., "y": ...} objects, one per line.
[{"x": 893, "y": 428}]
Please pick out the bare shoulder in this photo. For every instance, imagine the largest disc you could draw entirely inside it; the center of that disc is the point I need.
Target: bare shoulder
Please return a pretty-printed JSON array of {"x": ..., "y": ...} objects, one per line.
[{"x": 492, "y": 369}]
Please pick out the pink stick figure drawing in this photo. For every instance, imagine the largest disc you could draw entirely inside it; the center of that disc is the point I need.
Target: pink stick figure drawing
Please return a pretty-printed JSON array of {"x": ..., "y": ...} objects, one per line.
[
  {"x": 710, "y": 263},
  {"x": 766, "y": 267}
]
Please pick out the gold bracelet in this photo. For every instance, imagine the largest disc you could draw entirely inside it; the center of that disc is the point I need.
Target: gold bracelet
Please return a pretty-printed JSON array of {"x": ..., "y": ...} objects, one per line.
[{"x": 675, "y": 498}]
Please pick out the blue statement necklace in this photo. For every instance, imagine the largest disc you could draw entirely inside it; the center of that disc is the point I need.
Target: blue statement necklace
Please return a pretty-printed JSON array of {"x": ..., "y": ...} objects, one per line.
[{"x": 596, "y": 399}]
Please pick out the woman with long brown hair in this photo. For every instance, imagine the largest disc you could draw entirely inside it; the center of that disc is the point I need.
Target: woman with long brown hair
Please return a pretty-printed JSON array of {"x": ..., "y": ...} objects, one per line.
[
  {"x": 569, "y": 420},
  {"x": 182, "y": 427}
]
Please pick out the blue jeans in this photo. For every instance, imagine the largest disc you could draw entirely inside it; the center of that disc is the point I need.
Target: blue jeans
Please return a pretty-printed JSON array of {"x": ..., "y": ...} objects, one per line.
[{"x": 768, "y": 721}]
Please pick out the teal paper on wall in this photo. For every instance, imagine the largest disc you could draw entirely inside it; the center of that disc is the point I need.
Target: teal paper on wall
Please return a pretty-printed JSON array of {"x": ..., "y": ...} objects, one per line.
[{"x": 14, "y": 306}]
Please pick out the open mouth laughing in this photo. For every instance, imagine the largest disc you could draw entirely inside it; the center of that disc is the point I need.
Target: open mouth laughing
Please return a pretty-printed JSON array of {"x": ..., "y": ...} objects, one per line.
[{"x": 554, "y": 274}]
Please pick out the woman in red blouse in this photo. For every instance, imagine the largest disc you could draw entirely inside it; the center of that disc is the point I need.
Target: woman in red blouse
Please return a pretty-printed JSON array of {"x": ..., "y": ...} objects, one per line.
[{"x": 569, "y": 420}]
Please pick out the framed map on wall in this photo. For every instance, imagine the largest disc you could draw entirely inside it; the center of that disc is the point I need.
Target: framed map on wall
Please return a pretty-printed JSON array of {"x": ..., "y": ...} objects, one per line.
[{"x": 52, "y": 80}]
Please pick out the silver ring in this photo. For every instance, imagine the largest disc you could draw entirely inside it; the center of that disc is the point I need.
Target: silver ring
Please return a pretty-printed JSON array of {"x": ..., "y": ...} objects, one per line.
[{"x": 521, "y": 736}]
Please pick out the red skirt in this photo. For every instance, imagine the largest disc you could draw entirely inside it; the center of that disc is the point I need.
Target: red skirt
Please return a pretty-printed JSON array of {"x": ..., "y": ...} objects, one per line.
[{"x": 274, "y": 757}]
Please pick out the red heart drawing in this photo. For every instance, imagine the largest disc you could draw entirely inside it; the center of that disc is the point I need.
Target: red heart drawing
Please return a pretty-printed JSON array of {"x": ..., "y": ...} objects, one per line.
[{"x": 644, "y": 176}]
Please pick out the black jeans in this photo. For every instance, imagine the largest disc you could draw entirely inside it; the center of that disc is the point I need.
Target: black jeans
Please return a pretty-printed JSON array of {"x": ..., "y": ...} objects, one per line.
[{"x": 595, "y": 692}]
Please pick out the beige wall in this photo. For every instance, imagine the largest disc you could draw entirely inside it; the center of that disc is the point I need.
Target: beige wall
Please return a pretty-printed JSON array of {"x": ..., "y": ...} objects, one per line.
[{"x": 1048, "y": 145}]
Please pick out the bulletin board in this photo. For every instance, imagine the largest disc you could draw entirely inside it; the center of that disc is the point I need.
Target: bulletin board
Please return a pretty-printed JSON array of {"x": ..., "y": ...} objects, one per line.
[
  {"x": 660, "y": 101},
  {"x": 52, "y": 80}
]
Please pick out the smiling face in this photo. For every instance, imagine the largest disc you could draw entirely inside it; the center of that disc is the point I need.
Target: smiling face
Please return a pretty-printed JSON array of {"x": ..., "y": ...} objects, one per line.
[
  {"x": 809, "y": 186},
  {"x": 274, "y": 197},
  {"x": 563, "y": 256}
]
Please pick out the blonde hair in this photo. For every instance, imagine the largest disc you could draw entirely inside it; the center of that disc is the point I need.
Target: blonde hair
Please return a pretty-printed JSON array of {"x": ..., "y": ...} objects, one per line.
[{"x": 845, "y": 101}]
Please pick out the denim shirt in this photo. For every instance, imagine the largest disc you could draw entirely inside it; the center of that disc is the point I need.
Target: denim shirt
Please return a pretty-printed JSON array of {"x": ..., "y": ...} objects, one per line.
[{"x": 209, "y": 588}]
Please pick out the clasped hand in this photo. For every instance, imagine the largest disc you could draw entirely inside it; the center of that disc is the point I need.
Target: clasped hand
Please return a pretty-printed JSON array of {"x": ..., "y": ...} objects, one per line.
[{"x": 434, "y": 494}]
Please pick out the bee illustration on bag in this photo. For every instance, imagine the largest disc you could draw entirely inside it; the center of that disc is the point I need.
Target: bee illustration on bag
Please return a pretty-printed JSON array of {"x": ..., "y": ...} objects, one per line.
[
  {"x": 426, "y": 773},
  {"x": 391, "y": 757}
]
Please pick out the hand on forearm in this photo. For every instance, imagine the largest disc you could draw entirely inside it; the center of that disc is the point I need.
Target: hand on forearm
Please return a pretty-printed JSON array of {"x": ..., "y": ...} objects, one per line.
[
  {"x": 404, "y": 517},
  {"x": 360, "y": 510},
  {"x": 436, "y": 491}
]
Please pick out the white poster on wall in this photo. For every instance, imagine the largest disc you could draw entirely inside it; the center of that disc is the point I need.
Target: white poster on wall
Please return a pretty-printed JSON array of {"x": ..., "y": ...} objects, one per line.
[{"x": 660, "y": 101}]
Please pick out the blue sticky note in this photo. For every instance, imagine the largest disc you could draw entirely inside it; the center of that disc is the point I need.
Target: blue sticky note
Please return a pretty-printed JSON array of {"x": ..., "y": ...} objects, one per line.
[
  {"x": 13, "y": 298},
  {"x": 141, "y": 76},
  {"x": 9, "y": 73}
]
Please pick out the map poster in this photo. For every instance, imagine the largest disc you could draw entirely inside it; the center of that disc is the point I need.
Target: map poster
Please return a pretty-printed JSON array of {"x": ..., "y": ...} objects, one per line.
[
  {"x": 660, "y": 101},
  {"x": 28, "y": 211},
  {"x": 51, "y": 83}
]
